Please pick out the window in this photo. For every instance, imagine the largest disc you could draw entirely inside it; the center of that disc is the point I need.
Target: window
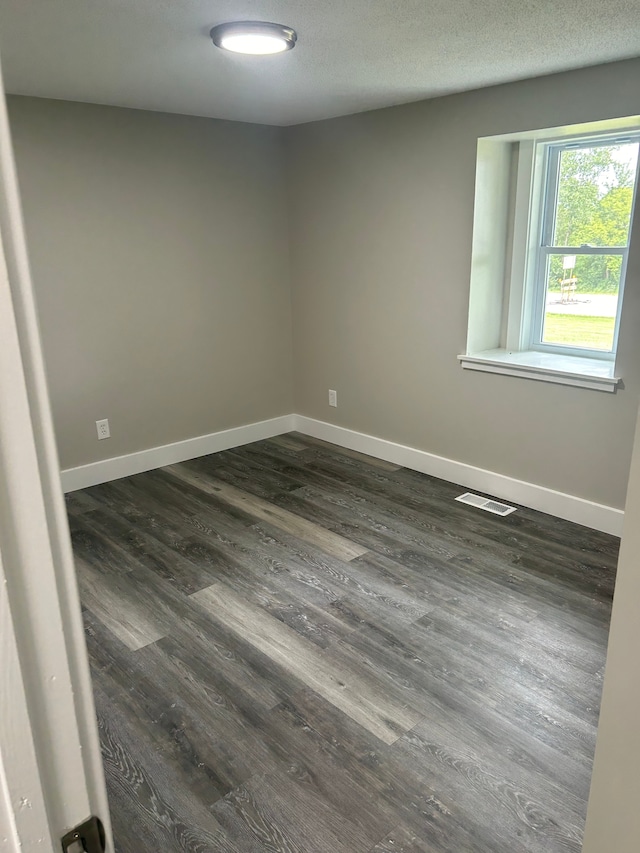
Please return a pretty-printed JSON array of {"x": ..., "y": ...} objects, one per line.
[
  {"x": 583, "y": 245},
  {"x": 552, "y": 225}
]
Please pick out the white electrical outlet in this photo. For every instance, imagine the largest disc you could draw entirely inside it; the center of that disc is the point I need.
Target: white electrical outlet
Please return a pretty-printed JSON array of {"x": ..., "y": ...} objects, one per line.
[
  {"x": 103, "y": 429},
  {"x": 333, "y": 398}
]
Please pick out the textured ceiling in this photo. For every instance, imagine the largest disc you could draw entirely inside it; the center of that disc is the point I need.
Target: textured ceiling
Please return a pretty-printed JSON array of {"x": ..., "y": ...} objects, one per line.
[{"x": 352, "y": 55}]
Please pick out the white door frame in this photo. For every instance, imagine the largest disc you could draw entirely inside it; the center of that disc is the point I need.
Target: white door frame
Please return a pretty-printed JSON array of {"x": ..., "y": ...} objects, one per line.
[{"x": 51, "y": 775}]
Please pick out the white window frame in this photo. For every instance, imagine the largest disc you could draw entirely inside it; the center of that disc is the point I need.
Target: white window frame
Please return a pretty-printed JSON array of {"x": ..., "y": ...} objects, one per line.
[
  {"x": 542, "y": 233},
  {"x": 506, "y": 300}
]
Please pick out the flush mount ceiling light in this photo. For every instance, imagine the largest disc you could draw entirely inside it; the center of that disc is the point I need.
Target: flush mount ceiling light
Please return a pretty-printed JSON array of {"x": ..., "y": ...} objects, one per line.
[{"x": 256, "y": 37}]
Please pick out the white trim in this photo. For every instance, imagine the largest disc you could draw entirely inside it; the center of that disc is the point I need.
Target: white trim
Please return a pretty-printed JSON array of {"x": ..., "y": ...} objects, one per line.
[
  {"x": 503, "y": 309},
  {"x": 546, "y": 367},
  {"x": 525, "y": 204},
  {"x": 597, "y": 516},
  {"x": 600, "y": 517},
  {"x": 168, "y": 454},
  {"x": 565, "y": 133}
]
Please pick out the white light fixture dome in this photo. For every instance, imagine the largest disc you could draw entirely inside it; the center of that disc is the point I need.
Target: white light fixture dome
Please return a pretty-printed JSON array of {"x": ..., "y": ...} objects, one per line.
[{"x": 255, "y": 37}]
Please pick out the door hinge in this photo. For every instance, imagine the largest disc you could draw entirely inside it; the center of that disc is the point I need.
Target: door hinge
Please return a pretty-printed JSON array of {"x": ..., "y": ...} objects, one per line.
[{"x": 87, "y": 837}]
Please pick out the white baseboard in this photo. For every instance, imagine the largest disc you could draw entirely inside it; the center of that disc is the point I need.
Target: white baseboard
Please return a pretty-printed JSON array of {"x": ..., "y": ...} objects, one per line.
[
  {"x": 597, "y": 516},
  {"x": 168, "y": 454}
]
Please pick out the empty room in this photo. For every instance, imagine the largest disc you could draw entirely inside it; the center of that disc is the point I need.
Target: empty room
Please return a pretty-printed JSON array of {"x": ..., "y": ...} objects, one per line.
[{"x": 319, "y": 386}]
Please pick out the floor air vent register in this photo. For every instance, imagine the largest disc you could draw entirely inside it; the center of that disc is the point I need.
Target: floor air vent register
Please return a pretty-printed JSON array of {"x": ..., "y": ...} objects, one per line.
[{"x": 486, "y": 503}]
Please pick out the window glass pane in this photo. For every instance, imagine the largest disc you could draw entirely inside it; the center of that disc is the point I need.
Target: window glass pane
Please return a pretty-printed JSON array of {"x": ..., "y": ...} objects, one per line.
[
  {"x": 595, "y": 192},
  {"x": 581, "y": 300}
]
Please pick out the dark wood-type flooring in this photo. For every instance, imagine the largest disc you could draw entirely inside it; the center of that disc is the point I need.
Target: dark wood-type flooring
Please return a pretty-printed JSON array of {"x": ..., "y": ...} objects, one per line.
[{"x": 298, "y": 649}]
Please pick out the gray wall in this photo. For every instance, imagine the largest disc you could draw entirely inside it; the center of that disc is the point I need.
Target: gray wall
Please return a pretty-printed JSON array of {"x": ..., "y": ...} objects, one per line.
[
  {"x": 159, "y": 255},
  {"x": 161, "y": 263},
  {"x": 381, "y": 208}
]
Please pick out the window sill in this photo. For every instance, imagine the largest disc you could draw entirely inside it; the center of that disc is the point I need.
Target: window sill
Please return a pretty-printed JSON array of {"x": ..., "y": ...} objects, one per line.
[{"x": 546, "y": 367}]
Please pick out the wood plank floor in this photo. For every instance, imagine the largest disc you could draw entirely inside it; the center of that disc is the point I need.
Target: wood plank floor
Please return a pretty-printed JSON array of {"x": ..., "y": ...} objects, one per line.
[{"x": 299, "y": 649}]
